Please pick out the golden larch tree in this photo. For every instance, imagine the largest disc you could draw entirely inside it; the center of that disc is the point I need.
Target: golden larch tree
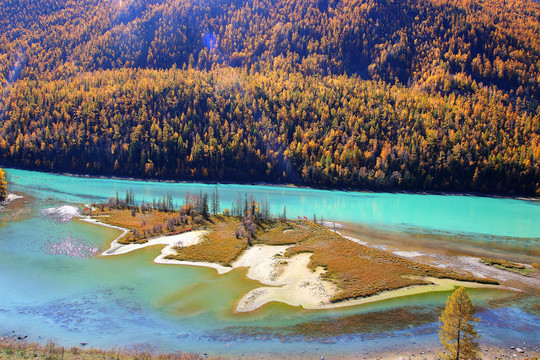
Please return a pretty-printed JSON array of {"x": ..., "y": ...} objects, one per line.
[
  {"x": 3, "y": 185},
  {"x": 457, "y": 331}
]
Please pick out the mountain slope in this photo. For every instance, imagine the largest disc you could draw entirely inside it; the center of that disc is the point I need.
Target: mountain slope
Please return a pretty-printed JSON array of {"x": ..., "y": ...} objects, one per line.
[{"x": 416, "y": 94}]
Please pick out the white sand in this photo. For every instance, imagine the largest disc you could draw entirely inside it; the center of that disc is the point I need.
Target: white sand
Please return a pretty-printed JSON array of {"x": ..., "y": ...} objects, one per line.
[
  {"x": 293, "y": 282},
  {"x": 408, "y": 254},
  {"x": 62, "y": 213},
  {"x": 11, "y": 197},
  {"x": 185, "y": 239},
  {"x": 333, "y": 224},
  {"x": 89, "y": 206},
  {"x": 263, "y": 263}
]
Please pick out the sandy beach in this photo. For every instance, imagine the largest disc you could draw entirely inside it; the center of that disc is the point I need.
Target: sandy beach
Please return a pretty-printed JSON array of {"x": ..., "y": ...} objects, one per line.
[{"x": 291, "y": 281}]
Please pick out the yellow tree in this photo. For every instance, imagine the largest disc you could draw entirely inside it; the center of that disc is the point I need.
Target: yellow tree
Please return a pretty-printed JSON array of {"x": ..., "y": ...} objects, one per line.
[
  {"x": 457, "y": 330},
  {"x": 3, "y": 185}
]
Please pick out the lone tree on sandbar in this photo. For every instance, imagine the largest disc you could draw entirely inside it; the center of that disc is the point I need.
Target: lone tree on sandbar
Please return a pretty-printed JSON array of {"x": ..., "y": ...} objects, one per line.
[{"x": 457, "y": 330}]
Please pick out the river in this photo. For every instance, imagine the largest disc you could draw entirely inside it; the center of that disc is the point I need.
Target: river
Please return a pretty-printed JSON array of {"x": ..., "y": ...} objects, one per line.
[{"x": 128, "y": 301}]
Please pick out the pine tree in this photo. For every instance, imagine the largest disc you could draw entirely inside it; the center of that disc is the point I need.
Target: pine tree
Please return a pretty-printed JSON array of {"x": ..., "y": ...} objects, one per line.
[
  {"x": 204, "y": 205},
  {"x": 3, "y": 185},
  {"x": 215, "y": 201},
  {"x": 457, "y": 330}
]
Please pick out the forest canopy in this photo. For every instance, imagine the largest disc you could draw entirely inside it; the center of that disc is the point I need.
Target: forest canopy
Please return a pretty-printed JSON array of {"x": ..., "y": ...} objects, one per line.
[{"x": 375, "y": 94}]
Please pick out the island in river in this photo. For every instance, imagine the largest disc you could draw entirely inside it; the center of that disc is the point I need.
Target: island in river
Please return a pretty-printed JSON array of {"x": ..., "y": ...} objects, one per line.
[{"x": 298, "y": 262}]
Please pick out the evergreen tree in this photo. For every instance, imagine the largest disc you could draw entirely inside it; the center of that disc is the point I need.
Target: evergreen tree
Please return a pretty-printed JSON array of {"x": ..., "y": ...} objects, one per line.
[
  {"x": 457, "y": 330},
  {"x": 215, "y": 201},
  {"x": 204, "y": 205}
]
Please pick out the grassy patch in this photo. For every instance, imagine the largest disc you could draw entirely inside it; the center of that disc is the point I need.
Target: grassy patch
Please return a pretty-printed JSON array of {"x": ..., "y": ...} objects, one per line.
[
  {"x": 361, "y": 271},
  {"x": 507, "y": 265},
  {"x": 220, "y": 245},
  {"x": 21, "y": 350},
  {"x": 143, "y": 225},
  {"x": 282, "y": 233}
]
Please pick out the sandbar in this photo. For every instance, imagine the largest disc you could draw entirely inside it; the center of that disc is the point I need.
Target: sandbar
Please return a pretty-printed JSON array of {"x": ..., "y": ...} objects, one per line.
[
  {"x": 170, "y": 242},
  {"x": 295, "y": 284},
  {"x": 288, "y": 279}
]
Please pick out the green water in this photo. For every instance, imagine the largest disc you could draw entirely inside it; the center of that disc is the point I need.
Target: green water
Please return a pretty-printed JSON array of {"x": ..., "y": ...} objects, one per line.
[{"x": 129, "y": 301}]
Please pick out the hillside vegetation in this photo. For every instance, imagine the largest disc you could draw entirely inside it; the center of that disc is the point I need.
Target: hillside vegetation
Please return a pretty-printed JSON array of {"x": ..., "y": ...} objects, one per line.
[{"x": 374, "y": 94}]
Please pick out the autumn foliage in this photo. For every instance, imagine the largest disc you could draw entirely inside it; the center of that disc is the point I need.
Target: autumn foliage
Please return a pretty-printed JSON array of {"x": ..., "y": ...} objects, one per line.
[
  {"x": 457, "y": 331},
  {"x": 402, "y": 95},
  {"x": 3, "y": 185}
]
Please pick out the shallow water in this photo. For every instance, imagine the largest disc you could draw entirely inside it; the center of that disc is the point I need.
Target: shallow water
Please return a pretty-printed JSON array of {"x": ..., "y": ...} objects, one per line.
[{"x": 129, "y": 301}]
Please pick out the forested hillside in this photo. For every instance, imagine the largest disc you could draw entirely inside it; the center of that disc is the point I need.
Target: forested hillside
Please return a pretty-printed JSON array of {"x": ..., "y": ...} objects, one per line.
[{"x": 374, "y": 94}]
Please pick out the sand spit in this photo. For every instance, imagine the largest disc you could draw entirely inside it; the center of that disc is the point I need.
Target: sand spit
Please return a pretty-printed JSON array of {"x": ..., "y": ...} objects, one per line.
[
  {"x": 475, "y": 266},
  {"x": 185, "y": 239},
  {"x": 170, "y": 242},
  {"x": 290, "y": 280},
  {"x": 437, "y": 285},
  {"x": 115, "y": 244}
]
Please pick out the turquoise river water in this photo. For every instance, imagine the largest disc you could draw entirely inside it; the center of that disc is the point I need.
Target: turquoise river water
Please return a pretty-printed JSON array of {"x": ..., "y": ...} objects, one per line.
[{"x": 128, "y": 301}]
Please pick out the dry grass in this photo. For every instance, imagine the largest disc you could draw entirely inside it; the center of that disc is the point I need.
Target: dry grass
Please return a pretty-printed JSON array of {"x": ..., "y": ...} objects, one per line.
[
  {"x": 147, "y": 224},
  {"x": 220, "y": 245},
  {"x": 281, "y": 233},
  {"x": 507, "y": 265},
  {"x": 223, "y": 247},
  {"x": 361, "y": 271},
  {"x": 21, "y": 350}
]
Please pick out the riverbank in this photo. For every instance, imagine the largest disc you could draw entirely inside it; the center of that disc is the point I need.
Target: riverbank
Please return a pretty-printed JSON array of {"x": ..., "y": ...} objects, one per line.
[
  {"x": 16, "y": 207},
  {"x": 14, "y": 349},
  {"x": 276, "y": 185}
]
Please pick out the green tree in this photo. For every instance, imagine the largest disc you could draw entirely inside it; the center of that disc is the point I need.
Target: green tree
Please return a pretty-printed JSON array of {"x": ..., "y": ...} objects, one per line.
[
  {"x": 3, "y": 185},
  {"x": 457, "y": 330}
]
